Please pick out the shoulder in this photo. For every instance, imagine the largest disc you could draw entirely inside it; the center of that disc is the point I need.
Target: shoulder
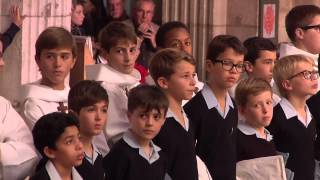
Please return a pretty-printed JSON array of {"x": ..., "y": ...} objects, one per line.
[
  {"x": 42, "y": 174},
  {"x": 197, "y": 102}
]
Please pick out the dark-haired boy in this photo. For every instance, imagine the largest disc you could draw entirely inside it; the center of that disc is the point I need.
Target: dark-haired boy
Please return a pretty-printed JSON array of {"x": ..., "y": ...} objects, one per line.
[
  {"x": 55, "y": 56},
  {"x": 89, "y": 102},
  {"x": 118, "y": 43},
  {"x": 56, "y": 137},
  {"x": 213, "y": 111},
  {"x": 303, "y": 29},
  {"x": 135, "y": 156}
]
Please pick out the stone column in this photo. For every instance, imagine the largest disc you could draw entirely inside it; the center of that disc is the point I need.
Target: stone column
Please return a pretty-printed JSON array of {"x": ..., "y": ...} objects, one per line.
[{"x": 20, "y": 65}]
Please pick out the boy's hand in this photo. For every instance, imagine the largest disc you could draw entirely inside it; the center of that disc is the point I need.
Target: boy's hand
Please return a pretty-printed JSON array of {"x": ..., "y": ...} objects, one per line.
[
  {"x": 15, "y": 15},
  {"x": 148, "y": 32}
]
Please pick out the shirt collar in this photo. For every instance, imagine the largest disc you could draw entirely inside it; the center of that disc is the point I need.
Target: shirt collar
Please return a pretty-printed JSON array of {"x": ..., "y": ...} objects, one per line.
[
  {"x": 129, "y": 138},
  {"x": 290, "y": 112},
  {"x": 170, "y": 114},
  {"x": 95, "y": 152},
  {"x": 248, "y": 130},
  {"x": 212, "y": 101},
  {"x": 53, "y": 173}
]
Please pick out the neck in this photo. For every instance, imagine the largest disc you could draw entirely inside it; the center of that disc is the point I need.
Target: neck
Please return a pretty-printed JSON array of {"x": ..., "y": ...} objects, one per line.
[
  {"x": 52, "y": 85},
  {"x": 301, "y": 46},
  {"x": 87, "y": 144},
  {"x": 261, "y": 132},
  {"x": 144, "y": 143},
  {"x": 219, "y": 92},
  {"x": 64, "y": 172},
  {"x": 175, "y": 105},
  {"x": 298, "y": 103}
]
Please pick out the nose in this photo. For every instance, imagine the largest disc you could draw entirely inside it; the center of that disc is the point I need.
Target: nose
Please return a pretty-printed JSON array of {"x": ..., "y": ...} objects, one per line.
[
  {"x": 98, "y": 115},
  {"x": 58, "y": 61},
  {"x": 264, "y": 109},
  {"x": 79, "y": 145},
  {"x": 144, "y": 14},
  {"x": 149, "y": 121},
  {"x": 126, "y": 56}
]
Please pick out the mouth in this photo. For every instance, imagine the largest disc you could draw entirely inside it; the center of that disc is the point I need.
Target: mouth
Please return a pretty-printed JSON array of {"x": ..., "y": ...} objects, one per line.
[
  {"x": 80, "y": 157},
  {"x": 147, "y": 131}
]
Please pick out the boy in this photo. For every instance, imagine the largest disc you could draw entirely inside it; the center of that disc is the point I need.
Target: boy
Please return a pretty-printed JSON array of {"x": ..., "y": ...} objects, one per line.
[
  {"x": 173, "y": 71},
  {"x": 77, "y": 17},
  {"x": 55, "y": 56},
  {"x": 17, "y": 153},
  {"x": 302, "y": 26},
  {"x": 212, "y": 110},
  {"x": 135, "y": 156},
  {"x": 89, "y": 102},
  {"x": 56, "y": 137},
  {"x": 175, "y": 34},
  {"x": 292, "y": 125},
  {"x": 254, "y": 102},
  {"x": 119, "y": 45}
]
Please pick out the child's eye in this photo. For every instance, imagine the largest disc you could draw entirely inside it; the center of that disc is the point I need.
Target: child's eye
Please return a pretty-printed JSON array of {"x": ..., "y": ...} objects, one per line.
[
  {"x": 133, "y": 50},
  {"x": 105, "y": 110},
  {"x": 120, "y": 51},
  {"x": 269, "y": 103},
  {"x": 143, "y": 116},
  {"x": 65, "y": 56},
  {"x": 188, "y": 43},
  {"x": 69, "y": 141},
  {"x": 49, "y": 56}
]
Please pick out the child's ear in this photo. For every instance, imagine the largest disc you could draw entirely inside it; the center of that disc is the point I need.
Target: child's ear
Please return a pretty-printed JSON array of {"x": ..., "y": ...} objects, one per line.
[
  {"x": 50, "y": 153},
  {"x": 248, "y": 66},
  {"x": 163, "y": 82},
  {"x": 286, "y": 85},
  {"x": 299, "y": 33},
  {"x": 209, "y": 65},
  {"x": 73, "y": 62}
]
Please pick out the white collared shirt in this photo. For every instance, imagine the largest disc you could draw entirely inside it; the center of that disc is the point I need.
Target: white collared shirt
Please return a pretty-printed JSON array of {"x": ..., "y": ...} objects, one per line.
[
  {"x": 129, "y": 138},
  {"x": 212, "y": 101},
  {"x": 290, "y": 112},
  {"x": 248, "y": 130},
  {"x": 186, "y": 120},
  {"x": 95, "y": 153},
  {"x": 54, "y": 175}
]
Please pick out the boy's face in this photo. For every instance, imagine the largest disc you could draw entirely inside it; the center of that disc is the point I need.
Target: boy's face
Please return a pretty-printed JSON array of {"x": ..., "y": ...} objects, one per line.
[
  {"x": 263, "y": 66},
  {"x": 217, "y": 73},
  {"x": 179, "y": 38},
  {"x": 304, "y": 82},
  {"x": 69, "y": 149},
  {"x": 55, "y": 65},
  {"x": 310, "y": 38},
  {"x": 258, "y": 110},
  {"x": 146, "y": 125},
  {"x": 123, "y": 56},
  {"x": 77, "y": 15},
  {"x": 93, "y": 118},
  {"x": 181, "y": 84}
]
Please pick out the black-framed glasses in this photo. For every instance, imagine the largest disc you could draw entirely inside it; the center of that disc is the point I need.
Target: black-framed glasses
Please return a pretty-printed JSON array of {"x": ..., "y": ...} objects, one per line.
[
  {"x": 309, "y": 75},
  {"x": 228, "y": 65},
  {"x": 316, "y": 27}
]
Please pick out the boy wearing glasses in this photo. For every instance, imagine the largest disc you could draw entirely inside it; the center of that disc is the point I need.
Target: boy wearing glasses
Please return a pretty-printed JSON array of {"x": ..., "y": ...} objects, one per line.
[
  {"x": 292, "y": 126},
  {"x": 213, "y": 111},
  {"x": 303, "y": 29}
]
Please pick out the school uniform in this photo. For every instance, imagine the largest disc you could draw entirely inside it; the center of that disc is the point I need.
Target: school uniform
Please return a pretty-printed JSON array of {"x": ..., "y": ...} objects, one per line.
[
  {"x": 117, "y": 85},
  {"x": 293, "y": 136},
  {"x": 17, "y": 153},
  {"x": 178, "y": 143},
  {"x": 313, "y": 103},
  {"x": 91, "y": 167},
  {"x": 49, "y": 172},
  {"x": 128, "y": 161},
  {"x": 39, "y": 100},
  {"x": 251, "y": 145},
  {"x": 215, "y": 133}
]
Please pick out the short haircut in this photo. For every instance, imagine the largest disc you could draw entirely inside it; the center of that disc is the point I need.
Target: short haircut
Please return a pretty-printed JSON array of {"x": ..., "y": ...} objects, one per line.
[
  {"x": 78, "y": 2},
  {"x": 86, "y": 93},
  {"x": 162, "y": 64},
  {"x": 250, "y": 86},
  {"x": 115, "y": 32},
  {"x": 221, "y": 43},
  {"x": 167, "y": 27},
  {"x": 50, "y": 127},
  {"x": 256, "y": 44},
  {"x": 137, "y": 3},
  {"x": 55, "y": 38},
  {"x": 148, "y": 98},
  {"x": 300, "y": 16},
  {"x": 285, "y": 68}
]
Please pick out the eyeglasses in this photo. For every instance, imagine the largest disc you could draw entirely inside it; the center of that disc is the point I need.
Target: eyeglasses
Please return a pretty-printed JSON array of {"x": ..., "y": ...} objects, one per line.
[
  {"x": 316, "y": 27},
  {"x": 309, "y": 75},
  {"x": 228, "y": 65}
]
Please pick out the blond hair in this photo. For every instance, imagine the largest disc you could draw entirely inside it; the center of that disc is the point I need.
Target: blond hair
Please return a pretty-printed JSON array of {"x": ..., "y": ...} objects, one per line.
[
  {"x": 285, "y": 68},
  {"x": 250, "y": 86}
]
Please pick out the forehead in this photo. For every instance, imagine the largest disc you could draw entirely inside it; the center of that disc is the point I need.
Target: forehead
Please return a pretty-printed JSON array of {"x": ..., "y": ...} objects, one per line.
[
  {"x": 69, "y": 131},
  {"x": 114, "y": 1},
  {"x": 303, "y": 65},
  {"x": 183, "y": 66},
  {"x": 57, "y": 51},
  {"x": 125, "y": 43},
  {"x": 266, "y": 54},
  {"x": 177, "y": 33},
  {"x": 315, "y": 20},
  {"x": 231, "y": 54},
  {"x": 78, "y": 7},
  {"x": 145, "y": 5}
]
